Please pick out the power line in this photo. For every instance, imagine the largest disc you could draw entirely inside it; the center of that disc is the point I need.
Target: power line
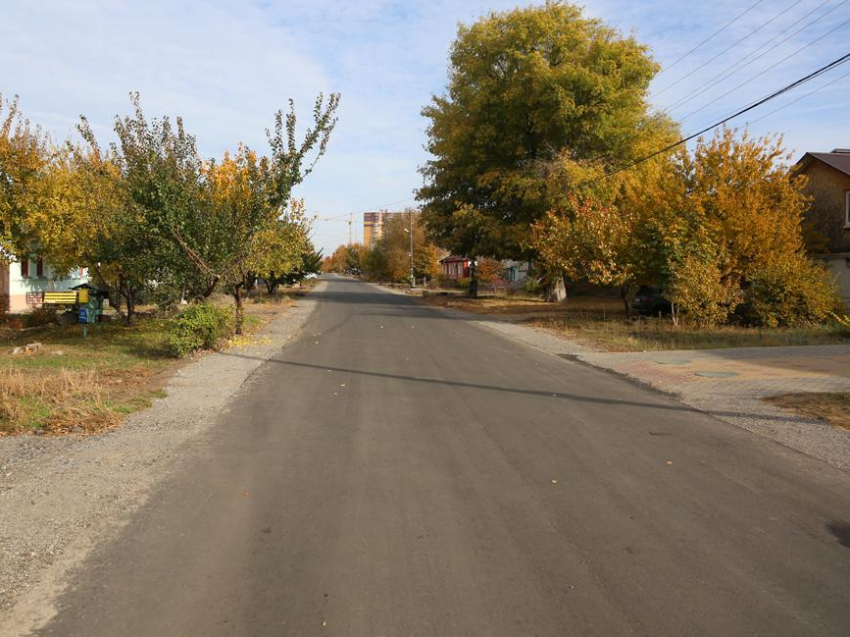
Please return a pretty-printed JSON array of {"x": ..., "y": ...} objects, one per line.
[
  {"x": 721, "y": 29},
  {"x": 360, "y": 212},
  {"x": 802, "y": 97},
  {"x": 770, "y": 68},
  {"x": 743, "y": 63},
  {"x": 746, "y": 109},
  {"x": 731, "y": 46}
]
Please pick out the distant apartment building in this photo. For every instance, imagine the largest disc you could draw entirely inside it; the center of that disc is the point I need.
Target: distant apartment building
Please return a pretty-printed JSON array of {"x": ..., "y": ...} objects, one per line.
[{"x": 373, "y": 225}]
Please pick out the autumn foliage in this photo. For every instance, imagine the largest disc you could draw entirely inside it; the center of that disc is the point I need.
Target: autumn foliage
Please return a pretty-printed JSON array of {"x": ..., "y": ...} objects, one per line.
[
  {"x": 719, "y": 228},
  {"x": 150, "y": 214}
]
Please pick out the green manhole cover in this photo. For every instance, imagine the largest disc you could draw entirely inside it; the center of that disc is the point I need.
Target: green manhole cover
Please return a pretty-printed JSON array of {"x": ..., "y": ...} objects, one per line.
[
  {"x": 715, "y": 374},
  {"x": 675, "y": 361}
]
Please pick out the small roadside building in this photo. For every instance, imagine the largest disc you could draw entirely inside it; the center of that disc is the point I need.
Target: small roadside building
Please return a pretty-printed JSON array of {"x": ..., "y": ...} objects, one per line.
[
  {"x": 23, "y": 283},
  {"x": 455, "y": 267},
  {"x": 829, "y": 215}
]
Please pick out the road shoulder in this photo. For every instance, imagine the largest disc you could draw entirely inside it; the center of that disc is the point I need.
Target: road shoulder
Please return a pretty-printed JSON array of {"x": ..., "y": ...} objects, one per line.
[{"x": 61, "y": 496}]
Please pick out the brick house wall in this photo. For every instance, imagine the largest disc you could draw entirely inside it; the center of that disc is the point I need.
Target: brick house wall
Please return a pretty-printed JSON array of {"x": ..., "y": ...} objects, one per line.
[{"x": 829, "y": 187}]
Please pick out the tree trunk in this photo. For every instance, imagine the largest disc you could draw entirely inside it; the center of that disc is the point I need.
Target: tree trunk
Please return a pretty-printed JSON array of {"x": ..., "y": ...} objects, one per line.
[
  {"x": 557, "y": 292},
  {"x": 624, "y": 295},
  {"x": 129, "y": 299},
  {"x": 240, "y": 310},
  {"x": 473, "y": 280},
  {"x": 211, "y": 287}
]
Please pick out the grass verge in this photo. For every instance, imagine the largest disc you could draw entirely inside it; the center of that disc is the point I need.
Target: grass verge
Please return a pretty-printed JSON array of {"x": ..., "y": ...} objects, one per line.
[
  {"x": 72, "y": 383},
  {"x": 833, "y": 408},
  {"x": 86, "y": 385},
  {"x": 600, "y": 323}
]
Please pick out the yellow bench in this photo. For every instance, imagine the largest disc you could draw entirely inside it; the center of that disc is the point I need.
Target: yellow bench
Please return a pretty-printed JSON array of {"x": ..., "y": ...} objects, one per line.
[{"x": 69, "y": 297}]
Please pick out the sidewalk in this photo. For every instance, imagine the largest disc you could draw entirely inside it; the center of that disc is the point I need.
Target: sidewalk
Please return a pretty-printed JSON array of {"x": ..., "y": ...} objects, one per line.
[{"x": 730, "y": 384}]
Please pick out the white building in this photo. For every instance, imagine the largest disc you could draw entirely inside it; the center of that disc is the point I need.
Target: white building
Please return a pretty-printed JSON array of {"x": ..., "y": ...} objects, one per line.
[{"x": 23, "y": 283}]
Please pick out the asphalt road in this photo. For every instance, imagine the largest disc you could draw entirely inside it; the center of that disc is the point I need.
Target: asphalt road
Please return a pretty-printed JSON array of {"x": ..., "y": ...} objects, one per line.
[{"x": 397, "y": 472}]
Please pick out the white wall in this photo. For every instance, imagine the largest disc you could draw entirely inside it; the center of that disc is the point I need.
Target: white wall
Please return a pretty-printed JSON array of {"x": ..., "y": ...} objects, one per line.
[{"x": 25, "y": 292}]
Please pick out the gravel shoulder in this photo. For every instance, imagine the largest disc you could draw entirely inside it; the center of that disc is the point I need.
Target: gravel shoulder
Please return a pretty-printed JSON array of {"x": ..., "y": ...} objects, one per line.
[{"x": 61, "y": 496}]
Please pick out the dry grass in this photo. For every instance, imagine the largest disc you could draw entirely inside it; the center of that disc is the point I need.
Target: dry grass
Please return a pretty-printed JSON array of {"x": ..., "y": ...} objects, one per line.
[
  {"x": 57, "y": 401},
  {"x": 90, "y": 384},
  {"x": 600, "y": 322},
  {"x": 81, "y": 384},
  {"x": 832, "y": 408}
]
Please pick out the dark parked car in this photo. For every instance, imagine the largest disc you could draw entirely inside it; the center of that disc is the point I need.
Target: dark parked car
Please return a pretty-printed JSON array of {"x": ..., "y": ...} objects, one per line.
[{"x": 650, "y": 301}]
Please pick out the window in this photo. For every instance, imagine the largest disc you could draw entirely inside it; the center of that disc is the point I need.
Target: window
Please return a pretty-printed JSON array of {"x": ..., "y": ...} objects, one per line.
[
  {"x": 39, "y": 268},
  {"x": 25, "y": 267}
]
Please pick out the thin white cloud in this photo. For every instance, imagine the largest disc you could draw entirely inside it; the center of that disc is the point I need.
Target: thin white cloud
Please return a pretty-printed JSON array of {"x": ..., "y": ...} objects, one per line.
[{"x": 226, "y": 66}]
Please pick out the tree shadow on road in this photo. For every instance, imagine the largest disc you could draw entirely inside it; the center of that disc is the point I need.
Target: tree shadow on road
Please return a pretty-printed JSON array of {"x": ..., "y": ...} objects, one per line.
[{"x": 670, "y": 405}]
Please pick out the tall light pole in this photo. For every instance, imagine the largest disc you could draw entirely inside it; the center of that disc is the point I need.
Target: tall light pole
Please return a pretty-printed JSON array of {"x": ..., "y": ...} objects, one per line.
[{"x": 412, "y": 280}]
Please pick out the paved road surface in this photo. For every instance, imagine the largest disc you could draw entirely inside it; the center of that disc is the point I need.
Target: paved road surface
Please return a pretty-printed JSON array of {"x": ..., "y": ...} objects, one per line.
[{"x": 403, "y": 473}]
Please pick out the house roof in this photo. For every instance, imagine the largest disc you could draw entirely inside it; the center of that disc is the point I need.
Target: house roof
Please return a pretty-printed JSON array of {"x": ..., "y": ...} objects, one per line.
[
  {"x": 838, "y": 159},
  {"x": 453, "y": 258}
]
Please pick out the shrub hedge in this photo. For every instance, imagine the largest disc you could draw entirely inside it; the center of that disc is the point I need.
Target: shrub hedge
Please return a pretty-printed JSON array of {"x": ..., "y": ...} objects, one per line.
[{"x": 199, "y": 326}]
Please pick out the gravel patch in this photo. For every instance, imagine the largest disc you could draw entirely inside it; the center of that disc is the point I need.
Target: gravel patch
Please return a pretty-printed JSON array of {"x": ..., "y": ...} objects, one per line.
[
  {"x": 731, "y": 383},
  {"x": 59, "y": 496}
]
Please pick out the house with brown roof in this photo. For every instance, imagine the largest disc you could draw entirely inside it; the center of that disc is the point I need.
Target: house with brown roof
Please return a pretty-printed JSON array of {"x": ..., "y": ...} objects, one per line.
[{"x": 829, "y": 215}]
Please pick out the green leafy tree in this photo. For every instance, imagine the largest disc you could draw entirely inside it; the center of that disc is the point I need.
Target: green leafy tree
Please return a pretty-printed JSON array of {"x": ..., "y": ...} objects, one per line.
[
  {"x": 528, "y": 89},
  {"x": 280, "y": 249},
  {"x": 210, "y": 211}
]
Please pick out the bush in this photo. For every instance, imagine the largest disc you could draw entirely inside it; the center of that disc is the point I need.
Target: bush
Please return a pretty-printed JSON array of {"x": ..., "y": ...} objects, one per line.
[
  {"x": 532, "y": 285},
  {"x": 699, "y": 292},
  {"x": 843, "y": 322},
  {"x": 462, "y": 283},
  {"x": 790, "y": 293},
  {"x": 41, "y": 316},
  {"x": 199, "y": 326}
]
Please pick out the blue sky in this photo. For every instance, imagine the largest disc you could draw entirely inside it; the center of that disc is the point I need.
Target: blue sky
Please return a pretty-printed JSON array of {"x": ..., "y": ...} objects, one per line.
[{"x": 227, "y": 66}]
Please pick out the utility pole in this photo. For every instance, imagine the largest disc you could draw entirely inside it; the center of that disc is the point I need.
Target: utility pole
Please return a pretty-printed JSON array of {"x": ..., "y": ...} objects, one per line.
[
  {"x": 350, "y": 226},
  {"x": 412, "y": 280}
]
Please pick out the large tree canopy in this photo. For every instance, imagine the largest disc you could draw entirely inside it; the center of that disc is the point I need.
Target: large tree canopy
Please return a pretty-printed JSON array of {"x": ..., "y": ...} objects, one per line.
[{"x": 528, "y": 89}]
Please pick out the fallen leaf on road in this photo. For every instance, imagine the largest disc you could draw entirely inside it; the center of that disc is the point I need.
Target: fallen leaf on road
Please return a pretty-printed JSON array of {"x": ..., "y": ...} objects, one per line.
[
  {"x": 554, "y": 482},
  {"x": 245, "y": 494},
  {"x": 669, "y": 463},
  {"x": 342, "y": 385}
]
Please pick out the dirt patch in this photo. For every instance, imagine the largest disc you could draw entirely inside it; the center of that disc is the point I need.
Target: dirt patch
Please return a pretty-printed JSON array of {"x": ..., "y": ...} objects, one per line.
[{"x": 833, "y": 408}]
